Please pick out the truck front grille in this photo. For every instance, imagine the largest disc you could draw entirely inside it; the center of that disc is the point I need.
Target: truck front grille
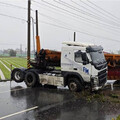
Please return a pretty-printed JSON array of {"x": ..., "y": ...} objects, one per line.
[{"x": 102, "y": 77}]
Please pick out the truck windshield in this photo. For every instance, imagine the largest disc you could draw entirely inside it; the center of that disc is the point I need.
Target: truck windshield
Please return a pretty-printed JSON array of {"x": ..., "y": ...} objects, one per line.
[{"x": 97, "y": 57}]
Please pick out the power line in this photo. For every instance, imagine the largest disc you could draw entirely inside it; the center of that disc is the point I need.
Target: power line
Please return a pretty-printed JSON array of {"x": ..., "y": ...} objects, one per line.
[
  {"x": 13, "y": 17},
  {"x": 76, "y": 15},
  {"x": 85, "y": 13},
  {"x": 79, "y": 15},
  {"x": 89, "y": 10},
  {"x": 56, "y": 20},
  {"x": 80, "y": 32},
  {"x": 13, "y": 5},
  {"x": 96, "y": 9},
  {"x": 104, "y": 10},
  {"x": 73, "y": 17},
  {"x": 51, "y": 18}
]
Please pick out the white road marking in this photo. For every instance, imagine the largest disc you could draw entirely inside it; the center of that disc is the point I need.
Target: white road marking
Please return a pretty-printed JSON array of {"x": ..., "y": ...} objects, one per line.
[
  {"x": 5, "y": 66},
  {"x": 2, "y": 75},
  {"x": 16, "y": 63},
  {"x": 13, "y": 90},
  {"x": 9, "y": 63},
  {"x": 10, "y": 115}
]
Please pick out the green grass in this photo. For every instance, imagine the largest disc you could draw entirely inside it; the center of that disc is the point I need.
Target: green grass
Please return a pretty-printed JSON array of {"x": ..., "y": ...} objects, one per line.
[
  {"x": 8, "y": 65},
  {"x": 118, "y": 118},
  {"x": 5, "y": 71},
  {"x": 12, "y": 63},
  {"x": 20, "y": 61},
  {"x": 15, "y": 61}
]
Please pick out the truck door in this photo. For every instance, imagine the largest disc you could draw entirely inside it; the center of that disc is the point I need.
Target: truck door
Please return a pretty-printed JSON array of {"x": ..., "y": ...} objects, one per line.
[{"x": 82, "y": 65}]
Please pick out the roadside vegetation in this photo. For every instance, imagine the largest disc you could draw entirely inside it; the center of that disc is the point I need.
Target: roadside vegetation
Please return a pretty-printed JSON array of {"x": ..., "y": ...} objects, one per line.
[
  {"x": 5, "y": 71},
  {"x": 102, "y": 96},
  {"x": 118, "y": 118},
  {"x": 11, "y": 63}
]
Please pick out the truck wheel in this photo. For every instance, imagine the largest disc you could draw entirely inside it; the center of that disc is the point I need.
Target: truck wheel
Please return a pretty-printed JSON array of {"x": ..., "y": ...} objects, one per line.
[
  {"x": 30, "y": 79},
  {"x": 18, "y": 75},
  {"x": 75, "y": 85}
]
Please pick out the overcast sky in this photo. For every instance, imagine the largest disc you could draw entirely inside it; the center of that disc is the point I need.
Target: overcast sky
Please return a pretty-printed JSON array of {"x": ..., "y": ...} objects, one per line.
[{"x": 58, "y": 19}]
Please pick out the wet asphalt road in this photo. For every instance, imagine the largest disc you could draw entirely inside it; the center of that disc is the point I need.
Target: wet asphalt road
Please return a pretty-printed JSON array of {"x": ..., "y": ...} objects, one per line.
[{"x": 17, "y": 102}]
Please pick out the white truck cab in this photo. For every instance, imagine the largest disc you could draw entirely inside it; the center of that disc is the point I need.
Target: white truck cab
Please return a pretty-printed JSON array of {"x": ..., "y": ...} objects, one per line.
[{"x": 87, "y": 62}]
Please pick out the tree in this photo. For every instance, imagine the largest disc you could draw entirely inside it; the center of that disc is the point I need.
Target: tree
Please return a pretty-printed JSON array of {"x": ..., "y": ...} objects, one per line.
[{"x": 12, "y": 53}]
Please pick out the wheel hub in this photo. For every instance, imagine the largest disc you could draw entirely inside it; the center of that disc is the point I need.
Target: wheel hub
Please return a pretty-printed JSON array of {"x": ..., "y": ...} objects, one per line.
[
  {"x": 73, "y": 86},
  {"x": 17, "y": 75}
]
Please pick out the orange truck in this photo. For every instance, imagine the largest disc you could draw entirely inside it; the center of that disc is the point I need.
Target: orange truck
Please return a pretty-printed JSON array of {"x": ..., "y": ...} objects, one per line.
[{"x": 113, "y": 62}]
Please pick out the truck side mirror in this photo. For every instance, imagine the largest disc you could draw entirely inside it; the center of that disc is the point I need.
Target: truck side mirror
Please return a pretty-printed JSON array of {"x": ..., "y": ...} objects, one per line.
[{"x": 85, "y": 59}]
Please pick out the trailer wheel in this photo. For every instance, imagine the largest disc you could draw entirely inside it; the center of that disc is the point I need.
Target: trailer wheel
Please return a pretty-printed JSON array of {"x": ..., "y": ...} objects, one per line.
[
  {"x": 30, "y": 79},
  {"x": 18, "y": 75},
  {"x": 74, "y": 85}
]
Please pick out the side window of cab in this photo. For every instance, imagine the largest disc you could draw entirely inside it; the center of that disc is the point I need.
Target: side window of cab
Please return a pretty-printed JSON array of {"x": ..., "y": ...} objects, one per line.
[{"x": 78, "y": 56}]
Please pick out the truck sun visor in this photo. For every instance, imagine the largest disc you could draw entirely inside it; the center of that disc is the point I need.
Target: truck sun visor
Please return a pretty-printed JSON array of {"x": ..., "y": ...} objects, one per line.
[{"x": 94, "y": 48}]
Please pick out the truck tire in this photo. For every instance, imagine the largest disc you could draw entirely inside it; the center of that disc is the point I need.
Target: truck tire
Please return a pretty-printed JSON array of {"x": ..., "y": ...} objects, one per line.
[
  {"x": 75, "y": 85},
  {"x": 30, "y": 79},
  {"x": 18, "y": 75}
]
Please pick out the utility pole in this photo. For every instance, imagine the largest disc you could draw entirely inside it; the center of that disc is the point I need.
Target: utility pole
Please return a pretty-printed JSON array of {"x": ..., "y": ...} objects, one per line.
[
  {"x": 36, "y": 22},
  {"x": 37, "y": 34},
  {"x": 74, "y": 36},
  {"x": 28, "y": 41}
]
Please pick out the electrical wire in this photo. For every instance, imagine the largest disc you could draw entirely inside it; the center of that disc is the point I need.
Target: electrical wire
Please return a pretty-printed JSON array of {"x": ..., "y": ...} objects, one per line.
[
  {"x": 110, "y": 39},
  {"x": 12, "y": 17},
  {"x": 95, "y": 9},
  {"x": 58, "y": 21},
  {"x": 88, "y": 10},
  {"x": 79, "y": 15},
  {"x": 13, "y": 5},
  {"x": 104, "y": 10},
  {"x": 57, "y": 11},
  {"x": 75, "y": 18},
  {"x": 16, "y": 6},
  {"x": 76, "y": 15},
  {"x": 87, "y": 13},
  {"x": 83, "y": 7}
]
